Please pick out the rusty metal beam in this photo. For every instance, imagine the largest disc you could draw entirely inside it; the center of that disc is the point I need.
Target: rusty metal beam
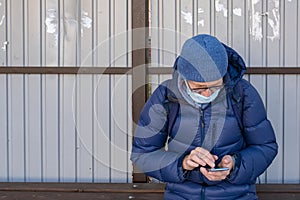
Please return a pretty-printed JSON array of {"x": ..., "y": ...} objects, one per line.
[
  {"x": 140, "y": 35},
  {"x": 273, "y": 70},
  {"x": 64, "y": 70},
  {"x": 129, "y": 70},
  {"x": 250, "y": 70}
]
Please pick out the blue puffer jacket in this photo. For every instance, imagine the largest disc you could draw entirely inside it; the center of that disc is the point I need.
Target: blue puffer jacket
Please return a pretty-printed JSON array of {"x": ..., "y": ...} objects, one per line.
[{"x": 214, "y": 127}]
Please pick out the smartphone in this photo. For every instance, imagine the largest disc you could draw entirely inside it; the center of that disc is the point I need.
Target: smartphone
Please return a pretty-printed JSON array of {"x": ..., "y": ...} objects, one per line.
[{"x": 218, "y": 169}]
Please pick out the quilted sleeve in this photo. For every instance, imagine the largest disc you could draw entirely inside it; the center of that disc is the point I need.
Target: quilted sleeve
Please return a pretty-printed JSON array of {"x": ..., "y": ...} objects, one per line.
[
  {"x": 148, "y": 149},
  {"x": 261, "y": 147}
]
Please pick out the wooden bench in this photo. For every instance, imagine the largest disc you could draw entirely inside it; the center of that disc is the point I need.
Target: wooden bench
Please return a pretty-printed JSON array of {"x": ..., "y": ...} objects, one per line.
[{"x": 78, "y": 191}]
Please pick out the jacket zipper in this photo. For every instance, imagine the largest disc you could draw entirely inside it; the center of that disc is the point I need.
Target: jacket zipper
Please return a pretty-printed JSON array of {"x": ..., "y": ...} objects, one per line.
[
  {"x": 202, "y": 140},
  {"x": 203, "y": 192},
  {"x": 202, "y": 126},
  {"x": 213, "y": 137}
]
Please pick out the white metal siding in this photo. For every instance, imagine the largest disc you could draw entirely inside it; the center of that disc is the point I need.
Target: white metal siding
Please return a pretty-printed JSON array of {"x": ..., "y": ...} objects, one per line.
[
  {"x": 265, "y": 33},
  {"x": 66, "y": 128},
  {"x": 72, "y": 128}
]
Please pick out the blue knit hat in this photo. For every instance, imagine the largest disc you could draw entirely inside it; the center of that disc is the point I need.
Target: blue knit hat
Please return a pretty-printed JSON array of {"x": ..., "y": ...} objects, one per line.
[{"x": 203, "y": 58}]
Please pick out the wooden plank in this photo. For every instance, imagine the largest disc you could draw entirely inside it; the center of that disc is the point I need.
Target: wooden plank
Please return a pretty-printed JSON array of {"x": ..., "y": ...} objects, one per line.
[
  {"x": 121, "y": 191},
  {"x": 107, "y": 196},
  {"x": 77, "y": 196},
  {"x": 278, "y": 196},
  {"x": 278, "y": 188},
  {"x": 83, "y": 187},
  {"x": 123, "y": 187}
]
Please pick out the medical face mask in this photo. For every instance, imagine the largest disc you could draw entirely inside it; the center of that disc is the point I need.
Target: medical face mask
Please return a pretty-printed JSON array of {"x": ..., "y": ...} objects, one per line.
[{"x": 198, "y": 98}]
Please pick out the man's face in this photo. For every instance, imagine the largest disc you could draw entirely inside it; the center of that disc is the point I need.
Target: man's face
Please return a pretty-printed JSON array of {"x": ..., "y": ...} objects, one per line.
[{"x": 205, "y": 88}]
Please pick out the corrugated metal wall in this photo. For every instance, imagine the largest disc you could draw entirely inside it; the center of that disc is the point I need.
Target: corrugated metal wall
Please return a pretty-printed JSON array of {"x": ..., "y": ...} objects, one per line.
[
  {"x": 78, "y": 127},
  {"x": 67, "y": 128},
  {"x": 266, "y": 34}
]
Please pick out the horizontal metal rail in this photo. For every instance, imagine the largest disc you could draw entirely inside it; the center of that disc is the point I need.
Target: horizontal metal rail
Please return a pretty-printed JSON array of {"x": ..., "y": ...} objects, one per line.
[
  {"x": 64, "y": 70},
  {"x": 127, "y": 70},
  {"x": 250, "y": 70}
]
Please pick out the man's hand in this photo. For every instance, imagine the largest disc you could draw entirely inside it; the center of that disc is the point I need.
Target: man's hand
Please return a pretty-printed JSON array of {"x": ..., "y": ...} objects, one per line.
[
  {"x": 199, "y": 157},
  {"x": 226, "y": 161}
]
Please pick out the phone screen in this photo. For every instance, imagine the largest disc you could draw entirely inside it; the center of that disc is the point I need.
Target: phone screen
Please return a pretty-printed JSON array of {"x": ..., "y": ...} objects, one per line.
[{"x": 218, "y": 169}]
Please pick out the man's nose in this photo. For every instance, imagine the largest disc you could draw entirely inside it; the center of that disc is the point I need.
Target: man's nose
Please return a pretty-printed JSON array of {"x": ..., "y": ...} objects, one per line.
[{"x": 206, "y": 93}]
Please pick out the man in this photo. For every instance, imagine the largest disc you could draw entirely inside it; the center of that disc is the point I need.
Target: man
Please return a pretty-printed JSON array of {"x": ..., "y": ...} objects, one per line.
[{"x": 210, "y": 118}]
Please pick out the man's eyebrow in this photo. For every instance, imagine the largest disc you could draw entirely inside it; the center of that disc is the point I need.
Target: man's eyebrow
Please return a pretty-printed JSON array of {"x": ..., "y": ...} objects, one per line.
[
  {"x": 205, "y": 86},
  {"x": 200, "y": 86}
]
